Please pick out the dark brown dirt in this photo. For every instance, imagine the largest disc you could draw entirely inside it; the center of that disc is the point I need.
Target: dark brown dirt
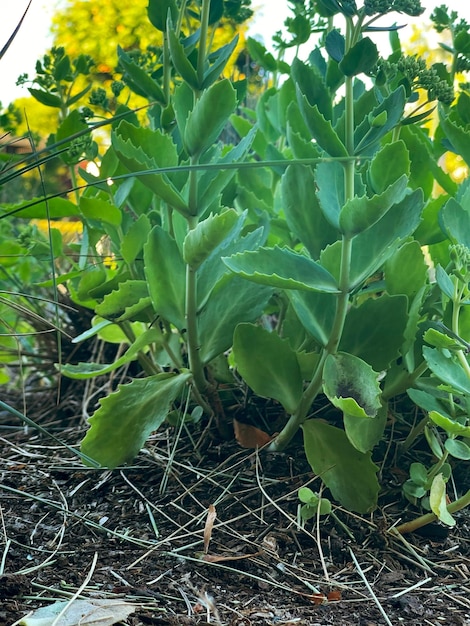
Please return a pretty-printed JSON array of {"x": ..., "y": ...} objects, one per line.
[{"x": 146, "y": 526}]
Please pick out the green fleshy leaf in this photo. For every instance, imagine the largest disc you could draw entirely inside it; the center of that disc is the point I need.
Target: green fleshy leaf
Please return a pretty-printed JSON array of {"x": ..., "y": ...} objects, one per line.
[
  {"x": 268, "y": 365},
  {"x": 358, "y": 214},
  {"x": 82, "y": 371},
  {"x": 127, "y": 417},
  {"x": 406, "y": 271},
  {"x": 141, "y": 149},
  {"x": 418, "y": 474},
  {"x": 219, "y": 59},
  {"x": 133, "y": 241},
  {"x": 55, "y": 208},
  {"x": 302, "y": 210},
  {"x": 351, "y": 385},
  {"x": 449, "y": 425},
  {"x": 456, "y": 222},
  {"x": 311, "y": 84},
  {"x": 445, "y": 282},
  {"x": 350, "y": 475},
  {"x": 71, "y": 125},
  {"x": 447, "y": 369},
  {"x": 208, "y": 234},
  {"x": 376, "y": 322},
  {"x": 371, "y": 248},
  {"x": 126, "y": 302},
  {"x": 213, "y": 270},
  {"x": 458, "y": 449},
  {"x": 458, "y": 136},
  {"x": 365, "y": 434},
  {"x": 436, "y": 339},
  {"x": 180, "y": 60},
  {"x": 157, "y": 11},
  {"x": 388, "y": 165},
  {"x": 366, "y": 135},
  {"x": 231, "y": 302},
  {"x": 46, "y": 98},
  {"x": 209, "y": 116},
  {"x": 142, "y": 83},
  {"x": 329, "y": 178},
  {"x": 335, "y": 45},
  {"x": 361, "y": 58},
  {"x": 321, "y": 128},
  {"x": 100, "y": 210},
  {"x": 166, "y": 276},
  {"x": 422, "y": 162},
  {"x": 282, "y": 268},
  {"x": 316, "y": 311}
]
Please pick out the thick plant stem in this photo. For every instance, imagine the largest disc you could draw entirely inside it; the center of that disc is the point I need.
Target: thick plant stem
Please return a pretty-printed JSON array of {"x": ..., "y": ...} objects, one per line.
[
  {"x": 428, "y": 518},
  {"x": 192, "y": 337},
  {"x": 315, "y": 385},
  {"x": 195, "y": 363}
]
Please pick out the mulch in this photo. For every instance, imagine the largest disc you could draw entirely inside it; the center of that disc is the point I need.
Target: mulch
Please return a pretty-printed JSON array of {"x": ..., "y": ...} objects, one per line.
[{"x": 200, "y": 532}]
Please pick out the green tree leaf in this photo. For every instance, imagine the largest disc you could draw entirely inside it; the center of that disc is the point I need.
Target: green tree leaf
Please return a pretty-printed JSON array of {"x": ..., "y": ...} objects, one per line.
[
  {"x": 350, "y": 475},
  {"x": 268, "y": 365},
  {"x": 125, "y": 418}
]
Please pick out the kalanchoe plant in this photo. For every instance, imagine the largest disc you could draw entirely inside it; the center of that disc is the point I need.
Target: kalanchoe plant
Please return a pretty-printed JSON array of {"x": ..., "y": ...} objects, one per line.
[{"x": 318, "y": 217}]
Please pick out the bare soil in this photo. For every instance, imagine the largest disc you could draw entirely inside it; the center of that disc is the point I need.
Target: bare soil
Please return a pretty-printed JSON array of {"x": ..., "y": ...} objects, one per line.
[{"x": 144, "y": 534}]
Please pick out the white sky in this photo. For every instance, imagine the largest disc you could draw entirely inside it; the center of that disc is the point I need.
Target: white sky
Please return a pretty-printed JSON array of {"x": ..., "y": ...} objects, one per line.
[{"x": 33, "y": 39}]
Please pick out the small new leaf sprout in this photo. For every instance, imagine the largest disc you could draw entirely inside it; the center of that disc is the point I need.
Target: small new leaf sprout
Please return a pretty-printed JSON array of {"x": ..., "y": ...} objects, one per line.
[{"x": 312, "y": 503}]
